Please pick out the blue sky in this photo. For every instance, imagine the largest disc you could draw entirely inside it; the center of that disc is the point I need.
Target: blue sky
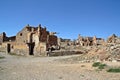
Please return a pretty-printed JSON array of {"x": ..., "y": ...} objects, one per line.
[{"x": 67, "y": 17}]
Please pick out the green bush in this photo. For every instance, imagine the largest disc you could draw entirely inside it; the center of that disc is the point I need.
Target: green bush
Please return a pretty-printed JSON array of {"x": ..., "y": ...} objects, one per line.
[
  {"x": 115, "y": 70},
  {"x": 96, "y": 64},
  {"x": 101, "y": 66}
]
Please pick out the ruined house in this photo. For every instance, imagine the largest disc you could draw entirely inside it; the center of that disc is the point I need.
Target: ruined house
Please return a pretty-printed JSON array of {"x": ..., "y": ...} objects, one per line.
[
  {"x": 63, "y": 42},
  {"x": 29, "y": 41},
  {"x": 89, "y": 41},
  {"x": 113, "y": 39}
]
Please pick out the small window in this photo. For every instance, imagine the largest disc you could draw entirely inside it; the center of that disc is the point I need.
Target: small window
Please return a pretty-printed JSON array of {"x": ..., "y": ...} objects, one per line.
[{"x": 20, "y": 34}]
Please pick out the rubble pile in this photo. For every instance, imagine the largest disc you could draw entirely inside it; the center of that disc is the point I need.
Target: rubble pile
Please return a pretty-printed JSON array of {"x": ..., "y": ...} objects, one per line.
[
  {"x": 97, "y": 54},
  {"x": 114, "y": 51},
  {"x": 108, "y": 52}
]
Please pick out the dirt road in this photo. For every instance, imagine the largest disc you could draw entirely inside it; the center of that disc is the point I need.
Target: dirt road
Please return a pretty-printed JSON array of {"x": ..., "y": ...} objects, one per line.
[{"x": 47, "y": 68}]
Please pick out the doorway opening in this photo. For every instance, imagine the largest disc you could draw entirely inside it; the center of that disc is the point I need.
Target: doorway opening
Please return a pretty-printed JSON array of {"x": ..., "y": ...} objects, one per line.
[
  {"x": 8, "y": 48},
  {"x": 31, "y": 48}
]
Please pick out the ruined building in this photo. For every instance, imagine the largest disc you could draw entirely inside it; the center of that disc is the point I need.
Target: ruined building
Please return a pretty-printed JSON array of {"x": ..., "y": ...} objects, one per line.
[
  {"x": 89, "y": 41},
  {"x": 29, "y": 41},
  {"x": 113, "y": 39}
]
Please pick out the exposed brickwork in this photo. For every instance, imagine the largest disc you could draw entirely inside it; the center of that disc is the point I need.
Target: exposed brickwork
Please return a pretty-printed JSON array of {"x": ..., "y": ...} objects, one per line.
[{"x": 52, "y": 40}]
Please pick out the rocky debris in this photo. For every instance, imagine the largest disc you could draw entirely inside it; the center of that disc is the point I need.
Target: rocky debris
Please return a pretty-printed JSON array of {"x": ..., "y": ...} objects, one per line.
[
  {"x": 108, "y": 52},
  {"x": 113, "y": 39},
  {"x": 114, "y": 51}
]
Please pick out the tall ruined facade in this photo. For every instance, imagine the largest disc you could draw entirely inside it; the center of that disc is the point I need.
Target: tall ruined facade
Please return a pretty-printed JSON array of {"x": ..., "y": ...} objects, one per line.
[{"x": 29, "y": 41}]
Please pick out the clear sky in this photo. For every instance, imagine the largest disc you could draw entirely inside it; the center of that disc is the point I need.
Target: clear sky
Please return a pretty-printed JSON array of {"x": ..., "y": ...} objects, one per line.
[{"x": 67, "y": 17}]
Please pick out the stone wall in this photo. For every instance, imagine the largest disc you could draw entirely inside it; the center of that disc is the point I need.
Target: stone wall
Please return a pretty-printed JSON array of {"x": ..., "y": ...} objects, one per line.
[
  {"x": 3, "y": 47},
  {"x": 3, "y": 37},
  {"x": 20, "y": 49},
  {"x": 22, "y": 36},
  {"x": 40, "y": 49}
]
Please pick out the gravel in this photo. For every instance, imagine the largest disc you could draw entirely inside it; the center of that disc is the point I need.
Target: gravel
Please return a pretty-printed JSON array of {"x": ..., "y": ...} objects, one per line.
[{"x": 49, "y": 68}]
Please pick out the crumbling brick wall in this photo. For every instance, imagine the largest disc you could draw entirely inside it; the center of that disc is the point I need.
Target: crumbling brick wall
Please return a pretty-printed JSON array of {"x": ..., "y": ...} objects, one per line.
[
  {"x": 43, "y": 35},
  {"x": 52, "y": 40}
]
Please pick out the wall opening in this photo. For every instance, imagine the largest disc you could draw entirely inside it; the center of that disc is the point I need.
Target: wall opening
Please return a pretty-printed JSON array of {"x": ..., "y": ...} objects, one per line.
[
  {"x": 31, "y": 48},
  {"x": 8, "y": 48},
  {"x": 20, "y": 34}
]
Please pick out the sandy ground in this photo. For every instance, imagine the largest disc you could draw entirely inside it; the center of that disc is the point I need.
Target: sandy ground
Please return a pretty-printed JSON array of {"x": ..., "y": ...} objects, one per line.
[{"x": 47, "y": 68}]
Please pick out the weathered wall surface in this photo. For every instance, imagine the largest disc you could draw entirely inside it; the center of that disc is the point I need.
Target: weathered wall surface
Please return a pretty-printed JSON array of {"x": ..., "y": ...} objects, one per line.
[
  {"x": 20, "y": 49},
  {"x": 3, "y": 47},
  {"x": 53, "y": 40},
  {"x": 22, "y": 36},
  {"x": 3, "y": 37},
  {"x": 40, "y": 49},
  {"x": 43, "y": 35}
]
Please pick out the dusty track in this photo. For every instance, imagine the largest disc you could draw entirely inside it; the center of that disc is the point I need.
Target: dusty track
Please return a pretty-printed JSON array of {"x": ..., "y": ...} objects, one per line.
[{"x": 47, "y": 68}]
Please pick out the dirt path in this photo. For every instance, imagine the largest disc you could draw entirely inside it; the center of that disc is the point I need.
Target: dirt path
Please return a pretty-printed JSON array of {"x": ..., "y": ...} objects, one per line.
[{"x": 46, "y": 68}]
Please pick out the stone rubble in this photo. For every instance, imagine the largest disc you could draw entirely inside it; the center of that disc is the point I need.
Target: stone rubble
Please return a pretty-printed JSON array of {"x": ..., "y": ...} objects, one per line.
[{"x": 109, "y": 51}]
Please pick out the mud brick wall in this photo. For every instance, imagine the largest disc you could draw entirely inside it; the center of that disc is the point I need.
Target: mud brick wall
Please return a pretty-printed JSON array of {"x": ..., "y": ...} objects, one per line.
[
  {"x": 3, "y": 47},
  {"x": 22, "y": 36},
  {"x": 53, "y": 40},
  {"x": 40, "y": 49},
  {"x": 43, "y": 36},
  {"x": 20, "y": 49}
]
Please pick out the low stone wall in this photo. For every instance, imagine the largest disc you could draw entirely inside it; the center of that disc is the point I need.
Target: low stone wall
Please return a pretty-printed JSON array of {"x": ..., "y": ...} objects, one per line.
[
  {"x": 62, "y": 53},
  {"x": 38, "y": 53}
]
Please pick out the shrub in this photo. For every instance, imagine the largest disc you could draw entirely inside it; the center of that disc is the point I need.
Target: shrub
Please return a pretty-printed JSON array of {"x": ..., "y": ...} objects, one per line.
[
  {"x": 115, "y": 70},
  {"x": 101, "y": 66},
  {"x": 96, "y": 64}
]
